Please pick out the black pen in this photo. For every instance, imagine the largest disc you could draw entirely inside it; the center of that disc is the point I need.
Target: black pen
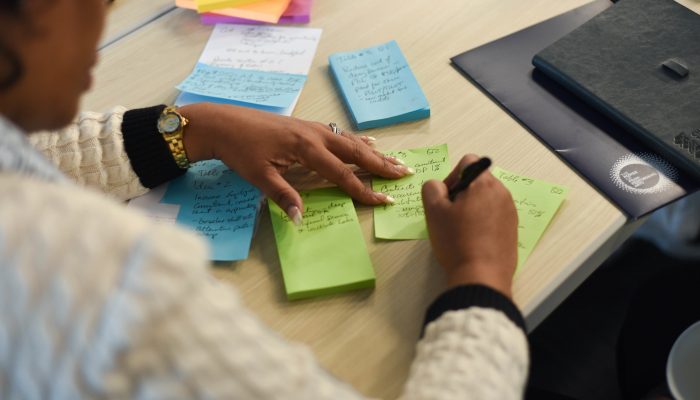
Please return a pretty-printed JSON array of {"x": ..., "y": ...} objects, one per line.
[{"x": 469, "y": 173}]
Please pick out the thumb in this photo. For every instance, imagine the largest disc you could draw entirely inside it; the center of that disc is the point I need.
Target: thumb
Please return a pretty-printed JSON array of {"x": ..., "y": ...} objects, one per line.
[{"x": 281, "y": 192}]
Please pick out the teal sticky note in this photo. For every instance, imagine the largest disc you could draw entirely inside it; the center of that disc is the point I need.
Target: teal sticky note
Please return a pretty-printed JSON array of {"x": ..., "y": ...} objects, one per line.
[
  {"x": 218, "y": 204},
  {"x": 272, "y": 89},
  {"x": 378, "y": 87},
  {"x": 327, "y": 253}
]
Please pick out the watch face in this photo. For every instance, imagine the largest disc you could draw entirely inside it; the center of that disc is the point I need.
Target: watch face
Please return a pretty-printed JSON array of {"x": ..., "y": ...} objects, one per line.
[{"x": 169, "y": 123}]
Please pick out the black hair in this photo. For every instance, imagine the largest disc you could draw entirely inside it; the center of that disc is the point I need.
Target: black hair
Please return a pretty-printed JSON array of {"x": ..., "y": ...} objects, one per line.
[
  {"x": 10, "y": 5},
  {"x": 7, "y": 55}
]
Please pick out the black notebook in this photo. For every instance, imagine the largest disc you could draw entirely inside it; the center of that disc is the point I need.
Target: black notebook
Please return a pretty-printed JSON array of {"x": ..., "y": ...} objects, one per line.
[{"x": 638, "y": 62}]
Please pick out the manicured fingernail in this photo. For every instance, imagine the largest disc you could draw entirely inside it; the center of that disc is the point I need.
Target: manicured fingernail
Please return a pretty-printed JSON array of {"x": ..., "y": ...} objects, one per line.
[
  {"x": 395, "y": 160},
  {"x": 404, "y": 170},
  {"x": 294, "y": 215},
  {"x": 369, "y": 138},
  {"x": 384, "y": 198}
]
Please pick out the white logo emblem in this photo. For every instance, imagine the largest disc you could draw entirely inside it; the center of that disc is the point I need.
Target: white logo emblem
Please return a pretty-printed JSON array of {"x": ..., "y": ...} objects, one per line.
[{"x": 643, "y": 173}]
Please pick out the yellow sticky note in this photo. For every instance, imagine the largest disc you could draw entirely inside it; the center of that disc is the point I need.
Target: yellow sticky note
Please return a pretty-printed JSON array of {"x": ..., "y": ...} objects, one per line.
[
  {"x": 536, "y": 201},
  {"x": 211, "y": 5},
  {"x": 260, "y": 10}
]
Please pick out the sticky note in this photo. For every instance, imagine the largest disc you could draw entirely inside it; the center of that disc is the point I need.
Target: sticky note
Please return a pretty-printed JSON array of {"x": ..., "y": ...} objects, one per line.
[
  {"x": 262, "y": 11},
  {"x": 405, "y": 219},
  {"x": 536, "y": 201},
  {"x": 284, "y": 49},
  {"x": 218, "y": 204},
  {"x": 327, "y": 254},
  {"x": 210, "y": 5},
  {"x": 298, "y": 12},
  {"x": 378, "y": 87},
  {"x": 272, "y": 89}
]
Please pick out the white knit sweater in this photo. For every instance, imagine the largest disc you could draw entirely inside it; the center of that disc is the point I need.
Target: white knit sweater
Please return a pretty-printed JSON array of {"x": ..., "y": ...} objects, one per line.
[{"x": 96, "y": 301}]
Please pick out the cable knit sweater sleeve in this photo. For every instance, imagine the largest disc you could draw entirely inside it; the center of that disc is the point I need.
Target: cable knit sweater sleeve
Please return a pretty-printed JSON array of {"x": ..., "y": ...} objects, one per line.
[
  {"x": 99, "y": 302},
  {"x": 119, "y": 152}
]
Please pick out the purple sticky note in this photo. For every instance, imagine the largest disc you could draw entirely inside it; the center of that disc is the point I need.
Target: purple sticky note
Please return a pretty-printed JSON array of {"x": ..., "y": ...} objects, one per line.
[{"x": 298, "y": 12}]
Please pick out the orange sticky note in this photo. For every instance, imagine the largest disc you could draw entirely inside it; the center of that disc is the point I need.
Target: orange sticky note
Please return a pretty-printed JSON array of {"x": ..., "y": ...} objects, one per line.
[
  {"x": 211, "y": 5},
  {"x": 266, "y": 10}
]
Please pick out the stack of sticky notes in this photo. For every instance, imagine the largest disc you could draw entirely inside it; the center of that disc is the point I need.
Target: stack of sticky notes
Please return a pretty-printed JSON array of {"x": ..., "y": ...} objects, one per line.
[
  {"x": 327, "y": 253},
  {"x": 250, "y": 11},
  {"x": 378, "y": 87},
  {"x": 262, "y": 67}
]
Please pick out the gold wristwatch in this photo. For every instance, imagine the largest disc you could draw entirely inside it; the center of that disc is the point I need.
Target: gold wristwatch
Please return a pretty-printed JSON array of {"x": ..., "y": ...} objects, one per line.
[{"x": 171, "y": 124}]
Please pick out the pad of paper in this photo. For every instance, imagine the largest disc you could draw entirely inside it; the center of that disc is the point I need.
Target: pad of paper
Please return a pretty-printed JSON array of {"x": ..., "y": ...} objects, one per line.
[
  {"x": 269, "y": 11},
  {"x": 271, "y": 89},
  {"x": 220, "y": 205},
  {"x": 210, "y": 5},
  {"x": 405, "y": 219},
  {"x": 378, "y": 87},
  {"x": 298, "y": 12},
  {"x": 536, "y": 201},
  {"x": 327, "y": 254}
]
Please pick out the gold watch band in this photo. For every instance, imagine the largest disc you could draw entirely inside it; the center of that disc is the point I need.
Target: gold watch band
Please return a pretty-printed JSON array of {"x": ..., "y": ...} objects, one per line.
[
  {"x": 174, "y": 139},
  {"x": 177, "y": 148}
]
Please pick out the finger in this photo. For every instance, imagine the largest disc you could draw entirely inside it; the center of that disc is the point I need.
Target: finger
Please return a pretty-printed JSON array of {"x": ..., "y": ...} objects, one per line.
[
  {"x": 333, "y": 169},
  {"x": 434, "y": 194},
  {"x": 281, "y": 192},
  {"x": 353, "y": 150},
  {"x": 453, "y": 177}
]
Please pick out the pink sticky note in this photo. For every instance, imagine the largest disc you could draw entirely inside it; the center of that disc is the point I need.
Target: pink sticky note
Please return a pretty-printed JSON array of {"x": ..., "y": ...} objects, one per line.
[{"x": 298, "y": 12}]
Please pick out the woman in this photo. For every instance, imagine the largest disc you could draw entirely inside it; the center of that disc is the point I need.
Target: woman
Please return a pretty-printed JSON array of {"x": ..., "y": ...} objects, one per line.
[{"x": 97, "y": 301}]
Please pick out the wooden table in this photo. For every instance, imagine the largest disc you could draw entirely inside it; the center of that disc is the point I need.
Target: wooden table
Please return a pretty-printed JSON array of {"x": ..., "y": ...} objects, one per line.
[
  {"x": 367, "y": 337},
  {"x": 127, "y": 16}
]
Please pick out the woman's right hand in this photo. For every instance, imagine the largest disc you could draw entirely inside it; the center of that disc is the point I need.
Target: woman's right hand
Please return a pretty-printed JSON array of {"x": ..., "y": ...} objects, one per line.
[{"x": 475, "y": 237}]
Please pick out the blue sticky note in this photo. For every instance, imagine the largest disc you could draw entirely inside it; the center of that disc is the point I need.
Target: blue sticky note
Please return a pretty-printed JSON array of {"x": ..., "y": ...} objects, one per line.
[
  {"x": 378, "y": 87},
  {"x": 218, "y": 204},
  {"x": 185, "y": 98},
  {"x": 273, "y": 89}
]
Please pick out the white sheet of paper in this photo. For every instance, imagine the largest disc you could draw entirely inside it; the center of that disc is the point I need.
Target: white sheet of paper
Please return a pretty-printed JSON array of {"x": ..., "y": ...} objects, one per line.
[
  {"x": 261, "y": 47},
  {"x": 150, "y": 204}
]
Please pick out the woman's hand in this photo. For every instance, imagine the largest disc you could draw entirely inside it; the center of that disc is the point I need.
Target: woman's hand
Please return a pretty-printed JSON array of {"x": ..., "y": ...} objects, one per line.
[
  {"x": 475, "y": 237},
  {"x": 261, "y": 146}
]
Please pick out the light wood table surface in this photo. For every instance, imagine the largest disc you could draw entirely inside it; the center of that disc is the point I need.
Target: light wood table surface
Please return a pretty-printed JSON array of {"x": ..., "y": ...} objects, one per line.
[
  {"x": 367, "y": 338},
  {"x": 126, "y": 16}
]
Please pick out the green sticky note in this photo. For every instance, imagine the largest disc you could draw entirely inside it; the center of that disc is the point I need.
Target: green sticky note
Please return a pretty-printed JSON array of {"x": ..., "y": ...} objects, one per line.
[
  {"x": 405, "y": 218},
  {"x": 536, "y": 201},
  {"x": 327, "y": 254}
]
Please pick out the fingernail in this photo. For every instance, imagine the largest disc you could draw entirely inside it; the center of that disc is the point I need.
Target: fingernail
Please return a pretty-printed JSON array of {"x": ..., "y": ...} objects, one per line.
[
  {"x": 395, "y": 160},
  {"x": 294, "y": 215},
  {"x": 404, "y": 170},
  {"x": 369, "y": 138},
  {"x": 384, "y": 198}
]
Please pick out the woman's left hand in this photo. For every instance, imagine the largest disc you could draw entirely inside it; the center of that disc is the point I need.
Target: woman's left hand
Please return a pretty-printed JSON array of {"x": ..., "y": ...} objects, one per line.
[{"x": 261, "y": 146}]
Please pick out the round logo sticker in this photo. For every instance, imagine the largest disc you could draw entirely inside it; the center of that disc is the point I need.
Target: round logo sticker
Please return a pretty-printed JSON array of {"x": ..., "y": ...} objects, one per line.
[{"x": 643, "y": 173}]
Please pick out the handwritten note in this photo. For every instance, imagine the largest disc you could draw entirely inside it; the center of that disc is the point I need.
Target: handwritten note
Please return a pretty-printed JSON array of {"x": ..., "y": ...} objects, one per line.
[
  {"x": 327, "y": 254},
  {"x": 264, "y": 88},
  {"x": 288, "y": 50},
  {"x": 217, "y": 203},
  {"x": 378, "y": 86},
  {"x": 405, "y": 219},
  {"x": 536, "y": 201}
]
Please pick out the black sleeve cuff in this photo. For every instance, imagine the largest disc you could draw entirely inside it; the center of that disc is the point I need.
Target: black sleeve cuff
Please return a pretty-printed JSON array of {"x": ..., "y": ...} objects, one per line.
[
  {"x": 466, "y": 296},
  {"x": 150, "y": 156}
]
